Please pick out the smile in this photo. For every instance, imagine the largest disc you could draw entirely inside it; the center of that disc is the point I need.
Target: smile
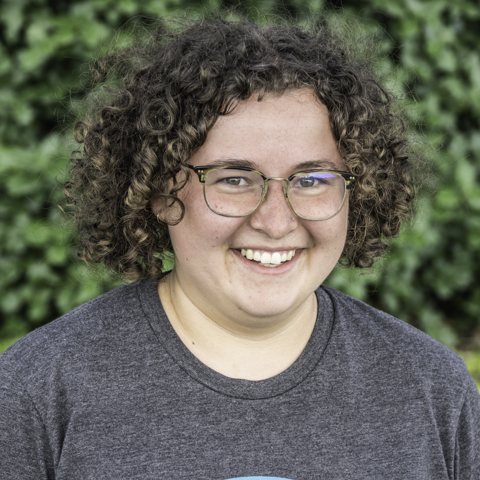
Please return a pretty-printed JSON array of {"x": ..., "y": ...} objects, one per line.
[{"x": 268, "y": 259}]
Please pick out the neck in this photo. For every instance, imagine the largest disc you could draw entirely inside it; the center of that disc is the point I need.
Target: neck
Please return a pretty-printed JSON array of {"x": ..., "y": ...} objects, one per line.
[{"x": 238, "y": 349}]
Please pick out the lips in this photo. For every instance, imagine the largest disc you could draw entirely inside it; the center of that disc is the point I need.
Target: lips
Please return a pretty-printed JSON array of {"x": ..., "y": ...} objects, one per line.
[{"x": 268, "y": 259}]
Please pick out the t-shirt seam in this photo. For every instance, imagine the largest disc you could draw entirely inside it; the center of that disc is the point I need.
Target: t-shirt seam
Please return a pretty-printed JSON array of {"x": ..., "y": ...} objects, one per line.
[
  {"x": 160, "y": 343},
  {"x": 147, "y": 318},
  {"x": 457, "y": 422},
  {"x": 23, "y": 388},
  {"x": 219, "y": 390}
]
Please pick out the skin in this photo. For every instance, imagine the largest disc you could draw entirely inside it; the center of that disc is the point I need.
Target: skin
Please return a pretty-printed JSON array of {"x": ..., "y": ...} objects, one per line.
[{"x": 238, "y": 317}]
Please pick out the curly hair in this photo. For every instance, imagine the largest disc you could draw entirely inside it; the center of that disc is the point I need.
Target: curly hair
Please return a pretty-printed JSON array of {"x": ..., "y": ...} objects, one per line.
[{"x": 158, "y": 98}]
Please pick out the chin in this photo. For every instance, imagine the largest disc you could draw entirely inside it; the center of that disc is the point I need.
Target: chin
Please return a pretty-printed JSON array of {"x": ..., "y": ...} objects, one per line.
[{"x": 276, "y": 306}]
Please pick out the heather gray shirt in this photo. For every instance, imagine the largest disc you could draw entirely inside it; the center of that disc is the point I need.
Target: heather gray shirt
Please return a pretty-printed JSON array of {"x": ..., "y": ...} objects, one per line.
[{"x": 109, "y": 391}]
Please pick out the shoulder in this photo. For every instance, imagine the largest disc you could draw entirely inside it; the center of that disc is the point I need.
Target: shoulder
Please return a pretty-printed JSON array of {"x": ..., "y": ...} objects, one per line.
[
  {"x": 391, "y": 368},
  {"x": 378, "y": 338},
  {"x": 93, "y": 330}
]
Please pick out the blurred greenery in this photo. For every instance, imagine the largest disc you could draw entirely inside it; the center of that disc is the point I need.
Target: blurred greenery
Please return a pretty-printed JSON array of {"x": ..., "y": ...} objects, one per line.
[
  {"x": 472, "y": 361},
  {"x": 431, "y": 276}
]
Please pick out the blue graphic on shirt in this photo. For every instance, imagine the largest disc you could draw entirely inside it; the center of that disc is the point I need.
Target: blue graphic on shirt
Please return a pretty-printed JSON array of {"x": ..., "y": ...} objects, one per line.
[{"x": 258, "y": 478}]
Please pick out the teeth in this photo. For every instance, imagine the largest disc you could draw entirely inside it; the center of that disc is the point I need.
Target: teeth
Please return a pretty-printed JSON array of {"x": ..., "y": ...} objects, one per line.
[
  {"x": 276, "y": 258},
  {"x": 268, "y": 259}
]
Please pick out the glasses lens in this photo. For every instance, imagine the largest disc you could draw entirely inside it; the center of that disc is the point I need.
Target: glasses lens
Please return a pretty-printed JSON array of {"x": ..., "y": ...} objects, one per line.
[
  {"x": 317, "y": 195},
  {"x": 233, "y": 192}
]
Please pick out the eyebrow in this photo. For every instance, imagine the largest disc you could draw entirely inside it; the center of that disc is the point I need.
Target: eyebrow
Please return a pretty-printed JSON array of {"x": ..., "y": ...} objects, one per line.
[
  {"x": 321, "y": 164},
  {"x": 307, "y": 165},
  {"x": 234, "y": 162}
]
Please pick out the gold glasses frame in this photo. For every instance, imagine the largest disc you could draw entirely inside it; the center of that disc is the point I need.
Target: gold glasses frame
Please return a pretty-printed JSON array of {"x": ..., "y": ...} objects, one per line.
[{"x": 202, "y": 172}]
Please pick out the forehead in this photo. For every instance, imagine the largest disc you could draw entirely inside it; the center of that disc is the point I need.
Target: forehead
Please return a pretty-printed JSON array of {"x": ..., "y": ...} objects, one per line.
[{"x": 276, "y": 132}]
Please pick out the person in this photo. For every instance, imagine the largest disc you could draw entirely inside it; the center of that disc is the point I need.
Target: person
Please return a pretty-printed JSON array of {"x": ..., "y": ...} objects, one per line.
[{"x": 257, "y": 157}]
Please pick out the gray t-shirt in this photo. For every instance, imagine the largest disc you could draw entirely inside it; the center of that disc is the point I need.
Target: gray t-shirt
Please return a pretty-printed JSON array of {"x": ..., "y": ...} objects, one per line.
[{"x": 109, "y": 391}]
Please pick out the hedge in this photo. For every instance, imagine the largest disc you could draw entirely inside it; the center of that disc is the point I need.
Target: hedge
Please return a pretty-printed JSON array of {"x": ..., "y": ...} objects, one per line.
[{"x": 431, "y": 276}]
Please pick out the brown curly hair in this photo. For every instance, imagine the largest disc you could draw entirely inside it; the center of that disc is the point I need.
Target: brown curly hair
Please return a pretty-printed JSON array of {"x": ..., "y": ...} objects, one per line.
[{"x": 158, "y": 97}]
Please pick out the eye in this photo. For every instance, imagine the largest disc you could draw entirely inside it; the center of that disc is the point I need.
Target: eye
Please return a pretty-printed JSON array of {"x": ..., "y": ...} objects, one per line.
[
  {"x": 310, "y": 181},
  {"x": 235, "y": 181},
  {"x": 306, "y": 182},
  {"x": 231, "y": 179}
]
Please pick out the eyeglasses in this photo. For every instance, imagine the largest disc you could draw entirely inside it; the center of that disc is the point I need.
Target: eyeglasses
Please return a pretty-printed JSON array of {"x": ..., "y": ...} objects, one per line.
[{"x": 238, "y": 191}]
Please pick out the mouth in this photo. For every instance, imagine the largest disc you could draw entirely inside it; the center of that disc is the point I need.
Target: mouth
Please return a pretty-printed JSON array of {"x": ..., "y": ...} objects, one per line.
[{"x": 268, "y": 259}]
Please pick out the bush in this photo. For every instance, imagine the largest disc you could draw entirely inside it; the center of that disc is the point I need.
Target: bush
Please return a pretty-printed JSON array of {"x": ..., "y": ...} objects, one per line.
[
  {"x": 431, "y": 274},
  {"x": 430, "y": 277}
]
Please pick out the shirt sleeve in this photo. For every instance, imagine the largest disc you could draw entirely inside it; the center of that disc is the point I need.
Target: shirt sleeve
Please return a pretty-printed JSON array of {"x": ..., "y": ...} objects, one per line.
[
  {"x": 24, "y": 448},
  {"x": 467, "y": 442}
]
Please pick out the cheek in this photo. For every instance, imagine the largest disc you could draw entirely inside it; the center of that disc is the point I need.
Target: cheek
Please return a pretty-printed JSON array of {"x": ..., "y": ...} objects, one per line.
[
  {"x": 332, "y": 234},
  {"x": 201, "y": 231}
]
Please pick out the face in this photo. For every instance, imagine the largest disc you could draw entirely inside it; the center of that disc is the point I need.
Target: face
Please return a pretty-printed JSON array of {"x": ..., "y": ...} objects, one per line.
[{"x": 274, "y": 136}]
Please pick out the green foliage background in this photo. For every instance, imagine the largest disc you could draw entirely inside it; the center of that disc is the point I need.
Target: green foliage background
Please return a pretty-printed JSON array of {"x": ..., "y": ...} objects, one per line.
[{"x": 431, "y": 276}]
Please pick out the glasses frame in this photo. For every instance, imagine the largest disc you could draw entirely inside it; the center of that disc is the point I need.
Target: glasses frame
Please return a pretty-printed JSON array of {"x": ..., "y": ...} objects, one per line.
[{"x": 202, "y": 172}]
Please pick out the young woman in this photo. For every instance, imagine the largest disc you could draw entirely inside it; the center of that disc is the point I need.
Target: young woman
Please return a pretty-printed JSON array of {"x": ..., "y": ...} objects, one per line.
[{"x": 259, "y": 157}]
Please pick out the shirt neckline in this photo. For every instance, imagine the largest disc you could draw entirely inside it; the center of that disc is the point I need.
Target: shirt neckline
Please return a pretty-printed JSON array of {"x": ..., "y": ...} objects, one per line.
[{"x": 233, "y": 387}]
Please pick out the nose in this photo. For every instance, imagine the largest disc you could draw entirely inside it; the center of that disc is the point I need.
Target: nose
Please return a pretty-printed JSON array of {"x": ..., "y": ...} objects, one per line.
[{"x": 274, "y": 217}]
